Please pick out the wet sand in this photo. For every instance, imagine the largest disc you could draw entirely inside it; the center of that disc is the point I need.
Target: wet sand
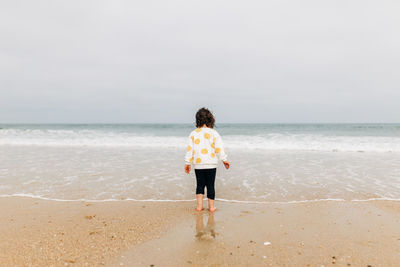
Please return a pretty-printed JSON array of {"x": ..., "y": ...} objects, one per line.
[
  {"x": 124, "y": 233},
  {"x": 49, "y": 233}
]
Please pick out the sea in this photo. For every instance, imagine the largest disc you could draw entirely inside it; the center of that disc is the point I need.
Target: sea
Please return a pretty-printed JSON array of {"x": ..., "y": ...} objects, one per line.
[{"x": 270, "y": 163}]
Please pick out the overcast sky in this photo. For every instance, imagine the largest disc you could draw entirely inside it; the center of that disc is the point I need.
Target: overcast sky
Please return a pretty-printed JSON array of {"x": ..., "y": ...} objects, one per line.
[{"x": 159, "y": 61}]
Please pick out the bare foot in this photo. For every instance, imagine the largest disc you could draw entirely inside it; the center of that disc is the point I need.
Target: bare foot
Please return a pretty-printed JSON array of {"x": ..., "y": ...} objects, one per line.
[
  {"x": 199, "y": 209},
  {"x": 213, "y": 209}
]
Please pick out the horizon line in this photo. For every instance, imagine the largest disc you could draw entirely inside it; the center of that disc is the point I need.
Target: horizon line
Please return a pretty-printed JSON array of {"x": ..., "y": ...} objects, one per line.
[{"x": 111, "y": 123}]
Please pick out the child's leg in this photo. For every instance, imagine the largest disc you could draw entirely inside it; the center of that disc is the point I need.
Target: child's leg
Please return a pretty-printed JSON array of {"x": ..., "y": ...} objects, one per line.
[
  {"x": 200, "y": 188},
  {"x": 211, "y": 205},
  {"x": 199, "y": 198},
  {"x": 210, "y": 181}
]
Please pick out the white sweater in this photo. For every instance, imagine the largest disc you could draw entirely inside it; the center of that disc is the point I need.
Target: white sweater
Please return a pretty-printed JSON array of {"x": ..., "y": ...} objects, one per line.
[{"x": 204, "y": 148}]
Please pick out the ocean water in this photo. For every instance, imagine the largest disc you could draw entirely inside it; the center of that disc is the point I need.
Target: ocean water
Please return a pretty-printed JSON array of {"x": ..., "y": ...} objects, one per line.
[{"x": 270, "y": 162}]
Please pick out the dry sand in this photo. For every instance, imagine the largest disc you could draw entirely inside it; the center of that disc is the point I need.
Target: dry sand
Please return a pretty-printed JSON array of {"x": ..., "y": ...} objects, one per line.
[{"x": 48, "y": 233}]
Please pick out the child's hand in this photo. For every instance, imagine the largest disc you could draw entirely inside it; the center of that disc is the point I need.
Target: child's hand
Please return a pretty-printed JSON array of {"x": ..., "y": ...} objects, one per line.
[
  {"x": 187, "y": 168},
  {"x": 226, "y": 164}
]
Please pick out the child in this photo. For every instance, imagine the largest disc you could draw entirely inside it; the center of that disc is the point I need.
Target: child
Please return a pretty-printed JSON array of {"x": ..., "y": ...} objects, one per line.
[{"x": 204, "y": 149}]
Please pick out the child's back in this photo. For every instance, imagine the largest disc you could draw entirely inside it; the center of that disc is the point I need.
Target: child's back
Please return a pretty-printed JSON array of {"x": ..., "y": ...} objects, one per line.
[{"x": 204, "y": 148}]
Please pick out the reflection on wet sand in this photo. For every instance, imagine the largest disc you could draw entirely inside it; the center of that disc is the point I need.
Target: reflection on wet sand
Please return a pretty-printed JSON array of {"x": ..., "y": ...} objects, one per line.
[{"x": 205, "y": 232}]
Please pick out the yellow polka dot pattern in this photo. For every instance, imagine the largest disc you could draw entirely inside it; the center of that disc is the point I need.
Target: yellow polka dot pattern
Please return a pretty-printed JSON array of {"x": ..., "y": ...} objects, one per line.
[{"x": 202, "y": 147}]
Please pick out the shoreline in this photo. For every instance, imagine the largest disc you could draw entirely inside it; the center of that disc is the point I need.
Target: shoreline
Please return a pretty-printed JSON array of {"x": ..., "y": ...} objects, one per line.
[
  {"x": 205, "y": 198},
  {"x": 40, "y": 232}
]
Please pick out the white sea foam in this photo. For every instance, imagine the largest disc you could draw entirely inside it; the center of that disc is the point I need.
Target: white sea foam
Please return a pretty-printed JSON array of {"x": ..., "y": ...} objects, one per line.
[
  {"x": 114, "y": 164},
  {"x": 114, "y": 174},
  {"x": 191, "y": 200},
  {"x": 270, "y": 141}
]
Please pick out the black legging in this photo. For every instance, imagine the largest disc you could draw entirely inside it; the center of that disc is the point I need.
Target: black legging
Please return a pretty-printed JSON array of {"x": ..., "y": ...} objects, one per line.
[{"x": 206, "y": 177}]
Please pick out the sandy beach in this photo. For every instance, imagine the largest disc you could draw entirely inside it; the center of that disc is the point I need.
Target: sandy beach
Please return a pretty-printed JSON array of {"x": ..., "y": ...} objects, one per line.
[
  {"x": 116, "y": 115},
  {"x": 127, "y": 233}
]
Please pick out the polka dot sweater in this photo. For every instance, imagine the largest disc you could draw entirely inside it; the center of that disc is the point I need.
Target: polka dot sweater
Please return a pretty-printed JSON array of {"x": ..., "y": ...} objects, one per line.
[{"x": 204, "y": 149}]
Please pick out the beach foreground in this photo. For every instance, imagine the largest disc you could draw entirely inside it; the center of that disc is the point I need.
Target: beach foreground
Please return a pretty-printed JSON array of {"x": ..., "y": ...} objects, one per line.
[{"x": 126, "y": 233}]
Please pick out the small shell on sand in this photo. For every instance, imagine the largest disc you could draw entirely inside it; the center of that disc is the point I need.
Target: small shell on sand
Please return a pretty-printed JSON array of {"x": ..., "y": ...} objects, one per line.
[{"x": 266, "y": 243}]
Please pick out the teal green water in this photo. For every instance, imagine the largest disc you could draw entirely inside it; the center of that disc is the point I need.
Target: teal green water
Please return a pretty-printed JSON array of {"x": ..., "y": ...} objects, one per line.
[
  {"x": 324, "y": 137},
  {"x": 270, "y": 162}
]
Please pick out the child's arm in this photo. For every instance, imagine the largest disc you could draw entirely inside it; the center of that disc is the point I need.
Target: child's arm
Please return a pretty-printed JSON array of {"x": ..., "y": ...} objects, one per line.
[
  {"x": 189, "y": 154},
  {"x": 220, "y": 151}
]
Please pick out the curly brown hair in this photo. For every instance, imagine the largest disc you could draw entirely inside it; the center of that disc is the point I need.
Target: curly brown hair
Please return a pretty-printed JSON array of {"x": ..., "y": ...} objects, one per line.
[{"x": 204, "y": 116}]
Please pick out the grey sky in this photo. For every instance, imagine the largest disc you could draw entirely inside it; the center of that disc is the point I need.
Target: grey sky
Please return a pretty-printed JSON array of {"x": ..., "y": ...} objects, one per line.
[{"x": 158, "y": 61}]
